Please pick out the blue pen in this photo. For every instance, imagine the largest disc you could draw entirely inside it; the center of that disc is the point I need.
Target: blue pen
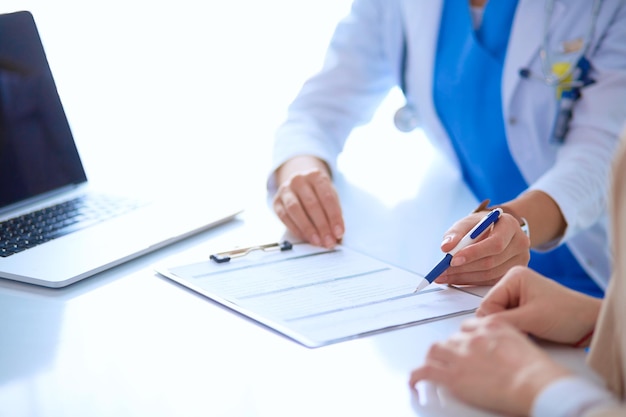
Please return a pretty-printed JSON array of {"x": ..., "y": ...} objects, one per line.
[{"x": 476, "y": 231}]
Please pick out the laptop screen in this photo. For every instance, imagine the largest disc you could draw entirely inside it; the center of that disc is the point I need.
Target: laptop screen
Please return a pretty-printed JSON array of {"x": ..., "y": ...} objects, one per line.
[{"x": 37, "y": 150}]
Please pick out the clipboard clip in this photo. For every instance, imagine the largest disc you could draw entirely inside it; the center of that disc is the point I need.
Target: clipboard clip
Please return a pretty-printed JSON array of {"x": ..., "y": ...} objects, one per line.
[{"x": 223, "y": 257}]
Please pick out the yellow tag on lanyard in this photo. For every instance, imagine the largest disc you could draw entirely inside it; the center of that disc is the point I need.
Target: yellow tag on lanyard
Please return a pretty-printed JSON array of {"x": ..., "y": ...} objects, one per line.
[{"x": 560, "y": 69}]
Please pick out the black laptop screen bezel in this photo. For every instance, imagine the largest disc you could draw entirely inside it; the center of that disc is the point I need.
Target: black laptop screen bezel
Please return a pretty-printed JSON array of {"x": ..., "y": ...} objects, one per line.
[{"x": 38, "y": 154}]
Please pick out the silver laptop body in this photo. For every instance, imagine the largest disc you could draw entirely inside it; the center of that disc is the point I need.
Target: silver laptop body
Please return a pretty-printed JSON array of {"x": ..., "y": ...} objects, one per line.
[{"x": 40, "y": 171}]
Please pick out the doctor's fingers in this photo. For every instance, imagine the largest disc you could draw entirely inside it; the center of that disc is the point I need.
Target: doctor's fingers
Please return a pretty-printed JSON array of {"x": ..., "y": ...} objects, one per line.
[
  {"x": 319, "y": 198},
  {"x": 486, "y": 261},
  {"x": 281, "y": 211},
  {"x": 503, "y": 229},
  {"x": 455, "y": 233},
  {"x": 329, "y": 199},
  {"x": 504, "y": 241},
  {"x": 485, "y": 271},
  {"x": 299, "y": 208}
]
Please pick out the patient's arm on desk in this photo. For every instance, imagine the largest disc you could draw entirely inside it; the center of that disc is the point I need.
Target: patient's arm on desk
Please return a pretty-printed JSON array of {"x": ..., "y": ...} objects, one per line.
[{"x": 492, "y": 365}]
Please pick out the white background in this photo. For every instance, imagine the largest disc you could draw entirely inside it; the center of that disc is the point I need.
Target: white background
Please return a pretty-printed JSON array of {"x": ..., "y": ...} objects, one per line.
[{"x": 188, "y": 94}]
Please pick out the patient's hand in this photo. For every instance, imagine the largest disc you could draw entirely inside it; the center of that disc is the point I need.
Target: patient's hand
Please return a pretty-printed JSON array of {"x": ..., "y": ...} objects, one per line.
[{"x": 540, "y": 306}]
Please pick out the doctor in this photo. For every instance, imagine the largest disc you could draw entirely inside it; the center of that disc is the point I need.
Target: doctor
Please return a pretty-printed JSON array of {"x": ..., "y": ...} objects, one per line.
[{"x": 530, "y": 117}]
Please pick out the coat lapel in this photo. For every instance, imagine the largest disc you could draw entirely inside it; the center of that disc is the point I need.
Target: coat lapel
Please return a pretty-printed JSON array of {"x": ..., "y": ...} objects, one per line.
[{"x": 421, "y": 21}]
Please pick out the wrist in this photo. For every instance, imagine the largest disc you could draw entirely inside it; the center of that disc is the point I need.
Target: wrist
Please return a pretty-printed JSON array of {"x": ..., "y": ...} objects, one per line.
[
  {"x": 587, "y": 316},
  {"x": 299, "y": 164},
  {"x": 585, "y": 340},
  {"x": 535, "y": 379},
  {"x": 543, "y": 213}
]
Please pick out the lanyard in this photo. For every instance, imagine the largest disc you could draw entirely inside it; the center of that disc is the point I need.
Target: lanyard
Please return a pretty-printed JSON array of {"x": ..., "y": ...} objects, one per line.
[{"x": 560, "y": 73}]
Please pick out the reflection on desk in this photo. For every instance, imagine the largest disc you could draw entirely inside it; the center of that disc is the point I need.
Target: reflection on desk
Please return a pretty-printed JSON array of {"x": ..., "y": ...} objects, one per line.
[{"x": 26, "y": 318}]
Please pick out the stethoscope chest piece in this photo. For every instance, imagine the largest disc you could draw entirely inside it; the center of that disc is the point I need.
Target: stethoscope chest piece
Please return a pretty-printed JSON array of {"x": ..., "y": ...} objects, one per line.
[{"x": 406, "y": 119}]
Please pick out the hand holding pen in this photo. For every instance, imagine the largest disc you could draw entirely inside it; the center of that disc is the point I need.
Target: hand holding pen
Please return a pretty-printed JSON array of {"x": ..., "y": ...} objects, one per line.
[{"x": 470, "y": 237}]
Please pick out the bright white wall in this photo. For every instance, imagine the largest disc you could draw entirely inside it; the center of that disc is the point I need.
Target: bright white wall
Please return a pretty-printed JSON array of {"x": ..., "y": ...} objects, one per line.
[{"x": 159, "y": 92}]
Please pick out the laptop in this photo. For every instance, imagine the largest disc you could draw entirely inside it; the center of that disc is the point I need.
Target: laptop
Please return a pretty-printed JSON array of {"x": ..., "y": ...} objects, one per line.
[{"x": 56, "y": 229}]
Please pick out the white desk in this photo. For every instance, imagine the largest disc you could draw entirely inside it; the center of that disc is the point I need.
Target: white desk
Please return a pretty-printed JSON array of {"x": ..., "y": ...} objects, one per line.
[{"x": 127, "y": 343}]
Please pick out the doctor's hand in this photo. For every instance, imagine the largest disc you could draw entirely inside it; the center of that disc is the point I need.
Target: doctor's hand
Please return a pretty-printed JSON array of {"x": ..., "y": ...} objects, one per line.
[
  {"x": 492, "y": 365},
  {"x": 485, "y": 261},
  {"x": 542, "y": 307},
  {"x": 307, "y": 202}
]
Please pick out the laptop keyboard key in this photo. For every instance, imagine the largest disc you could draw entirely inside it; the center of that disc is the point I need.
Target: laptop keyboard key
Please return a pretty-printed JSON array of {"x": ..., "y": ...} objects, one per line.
[{"x": 29, "y": 230}]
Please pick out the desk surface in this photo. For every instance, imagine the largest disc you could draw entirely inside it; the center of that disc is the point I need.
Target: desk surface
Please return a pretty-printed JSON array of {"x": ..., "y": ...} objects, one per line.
[{"x": 128, "y": 343}]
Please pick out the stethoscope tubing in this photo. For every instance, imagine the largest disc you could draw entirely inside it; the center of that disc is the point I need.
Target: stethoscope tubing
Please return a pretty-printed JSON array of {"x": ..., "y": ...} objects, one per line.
[
  {"x": 545, "y": 54},
  {"x": 406, "y": 118}
]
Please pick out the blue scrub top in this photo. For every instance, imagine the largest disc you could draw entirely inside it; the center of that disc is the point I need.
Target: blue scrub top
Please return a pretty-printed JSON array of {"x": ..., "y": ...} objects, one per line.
[{"x": 468, "y": 100}]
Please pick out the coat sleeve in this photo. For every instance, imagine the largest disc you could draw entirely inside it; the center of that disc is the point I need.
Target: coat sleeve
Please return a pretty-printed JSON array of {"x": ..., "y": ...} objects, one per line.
[
  {"x": 358, "y": 71},
  {"x": 578, "y": 179}
]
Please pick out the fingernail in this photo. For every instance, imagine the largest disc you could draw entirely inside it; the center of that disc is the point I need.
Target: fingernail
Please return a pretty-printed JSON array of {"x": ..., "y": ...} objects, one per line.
[
  {"x": 457, "y": 261},
  {"x": 315, "y": 239},
  {"x": 329, "y": 242},
  {"x": 338, "y": 232},
  {"x": 446, "y": 239}
]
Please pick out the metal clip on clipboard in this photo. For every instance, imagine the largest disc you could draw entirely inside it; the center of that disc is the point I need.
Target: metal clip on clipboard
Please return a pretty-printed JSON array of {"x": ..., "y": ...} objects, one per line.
[{"x": 235, "y": 253}]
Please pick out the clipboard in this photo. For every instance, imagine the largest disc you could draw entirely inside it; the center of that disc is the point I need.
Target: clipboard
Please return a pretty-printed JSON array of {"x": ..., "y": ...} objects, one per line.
[{"x": 317, "y": 296}]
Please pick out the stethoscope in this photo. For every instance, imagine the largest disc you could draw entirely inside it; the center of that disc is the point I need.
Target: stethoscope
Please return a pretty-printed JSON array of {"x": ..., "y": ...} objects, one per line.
[{"x": 406, "y": 118}]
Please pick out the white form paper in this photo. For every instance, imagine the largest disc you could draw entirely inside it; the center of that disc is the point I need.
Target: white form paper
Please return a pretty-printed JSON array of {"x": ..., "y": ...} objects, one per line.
[{"x": 319, "y": 296}]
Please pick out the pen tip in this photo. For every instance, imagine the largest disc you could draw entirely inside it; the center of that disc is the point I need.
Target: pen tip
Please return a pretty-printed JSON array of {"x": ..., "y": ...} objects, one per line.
[{"x": 425, "y": 283}]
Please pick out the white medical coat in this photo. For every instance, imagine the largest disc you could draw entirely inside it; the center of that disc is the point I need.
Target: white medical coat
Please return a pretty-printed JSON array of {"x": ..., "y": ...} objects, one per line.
[{"x": 364, "y": 61}]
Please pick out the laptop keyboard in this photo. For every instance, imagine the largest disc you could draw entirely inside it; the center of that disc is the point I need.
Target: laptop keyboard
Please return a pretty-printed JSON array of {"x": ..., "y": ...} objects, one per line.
[{"x": 32, "y": 229}]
